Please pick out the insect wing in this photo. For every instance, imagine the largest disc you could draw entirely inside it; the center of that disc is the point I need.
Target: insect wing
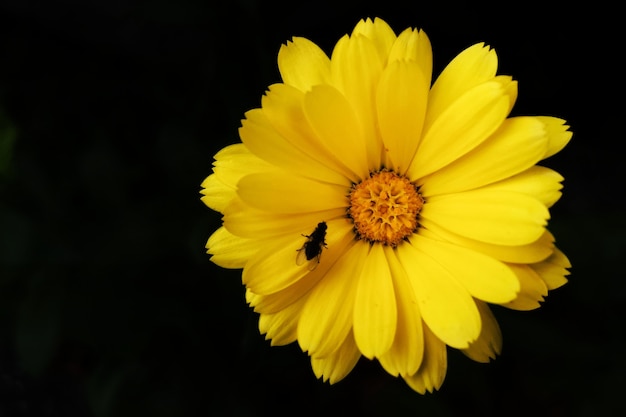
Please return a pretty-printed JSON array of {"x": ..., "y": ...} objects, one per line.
[{"x": 301, "y": 256}]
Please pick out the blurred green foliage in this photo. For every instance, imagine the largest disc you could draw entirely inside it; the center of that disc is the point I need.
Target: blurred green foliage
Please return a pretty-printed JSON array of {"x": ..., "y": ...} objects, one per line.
[{"x": 109, "y": 306}]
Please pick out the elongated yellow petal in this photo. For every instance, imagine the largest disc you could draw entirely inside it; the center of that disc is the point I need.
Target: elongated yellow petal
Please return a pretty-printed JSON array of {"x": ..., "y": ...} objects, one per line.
[
  {"x": 517, "y": 145},
  {"x": 401, "y": 103},
  {"x": 334, "y": 367},
  {"x": 280, "y": 327},
  {"x": 375, "y": 311},
  {"x": 460, "y": 127},
  {"x": 473, "y": 66},
  {"x": 303, "y": 64},
  {"x": 273, "y": 266},
  {"x": 230, "y": 251},
  {"x": 433, "y": 369},
  {"x": 492, "y": 216},
  {"x": 272, "y": 191},
  {"x": 377, "y": 31},
  {"x": 489, "y": 343},
  {"x": 530, "y": 253},
  {"x": 532, "y": 289},
  {"x": 558, "y": 134},
  {"x": 355, "y": 70},
  {"x": 339, "y": 238},
  {"x": 230, "y": 165},
  {"x": 406, "y": 353},
  {"x": 446, "y": 306},
  {"x": 414, "y": 45},
  {"x": 510, "y": 86},
  {"x": 483, "y": 276},
  {"x": 554, "y": 270},
  {"x": 216, "y": 194},
  {"x": 245, "y": 221},
  {"x": 538, "y": 182},
  {"x": 236, "y": 161},
  {"x": 263, "y": 140},
  {"x": 327, "y": 315},
  {"x": 284, "y": 107},
  {"x": 336, "y": 125}
]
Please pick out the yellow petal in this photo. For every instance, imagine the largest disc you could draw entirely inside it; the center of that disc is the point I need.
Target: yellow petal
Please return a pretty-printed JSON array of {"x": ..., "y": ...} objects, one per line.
[
  {"x": 539, "y": 182},
  {"x": 334, "y": 367},
  {"x": 337, "y": 127},
  {"x": 230, "y": 251},
  {"x": 339, "y": 238},
  {"x": 532, "y": 289},
  {"x": 283, "y": 106},
  {"x": 489, "y": 343},
  {"x": 303, "y": 64},
  {"x": 235, "y": 161},
  {"x": 432, "y": 371},
  {"x": 446, "y": 306},
  {"x": 216, "y": 194},
  {"x": 523, "y": 254},
  {"x": 231, "y": 163},
  {"x": 273, "y": 266},
  {"x": 558, "y": 134},
  {"x": 553, "y": 271},
  {"x": 460, "y": 127},
  {"x": 483, "y": 276},
  {"x": 281, "y": 193},
  {"x": 405, "y": 355},
  {"x": 494, "y": 216},
  {"x": 375, "y": 311},
  {"x": 280, "y": 327},
  {"x": 379, "y": 32},
  {"x": 327, "y": 316},
  {"x": 281, "y": 300},
  {"x": 471, "y": 67},
  {"x": 510, "y": 86},
  {"x": 245, "y": 221},
  {"x": 355, "y": 70},
  {"x": 401, "y": 102},
  {"x": 517, "y": 145},
  {"x": 260, "y": 137},
  {"x": 414, "y": 45}
]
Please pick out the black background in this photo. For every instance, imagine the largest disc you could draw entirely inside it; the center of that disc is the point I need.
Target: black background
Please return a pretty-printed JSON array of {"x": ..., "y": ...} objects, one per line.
[{"x": 109, "y": 305}]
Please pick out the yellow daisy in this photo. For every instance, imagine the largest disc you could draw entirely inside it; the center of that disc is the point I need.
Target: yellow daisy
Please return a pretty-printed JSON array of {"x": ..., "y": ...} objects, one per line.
[{"x": 376, "y": 215}]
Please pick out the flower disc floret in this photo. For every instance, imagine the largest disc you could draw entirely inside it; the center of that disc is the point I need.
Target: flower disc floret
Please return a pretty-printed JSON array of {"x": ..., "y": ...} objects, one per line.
[{"x": 384, "y": 208}]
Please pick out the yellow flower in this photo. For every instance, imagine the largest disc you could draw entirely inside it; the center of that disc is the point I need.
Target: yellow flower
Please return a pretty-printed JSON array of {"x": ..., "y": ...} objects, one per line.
[{"x": 376, "y": 215}]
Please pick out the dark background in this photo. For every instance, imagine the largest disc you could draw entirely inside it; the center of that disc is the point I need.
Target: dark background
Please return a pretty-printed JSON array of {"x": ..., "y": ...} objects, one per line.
[{"x": 110, "y": 114}]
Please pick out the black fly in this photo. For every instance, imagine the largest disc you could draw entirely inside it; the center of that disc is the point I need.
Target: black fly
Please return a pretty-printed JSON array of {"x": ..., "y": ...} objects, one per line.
[{"x": 311, "y": 251}]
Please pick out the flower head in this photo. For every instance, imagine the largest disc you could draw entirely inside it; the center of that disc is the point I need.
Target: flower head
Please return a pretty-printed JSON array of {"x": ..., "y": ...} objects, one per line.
[{"x": 377, "y": 215}]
